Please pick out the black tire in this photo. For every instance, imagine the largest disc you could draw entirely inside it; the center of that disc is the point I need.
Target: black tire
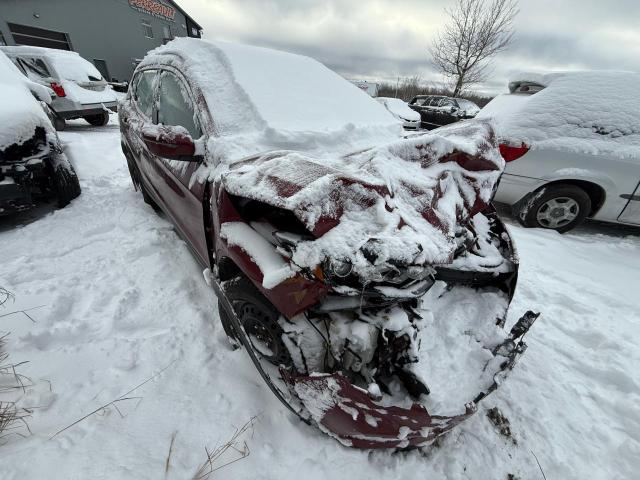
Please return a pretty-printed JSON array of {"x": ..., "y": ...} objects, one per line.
[
  {"x": 147, "y": 198},
  {"x": 573, "y": 206},
  {"x": 259, "y": 319},
  {"x": 136, "y": 179},
  {"x": 60, "y": 124},
  {"x": 98, "y": 120},
  {"x": 65, "y": 185}
]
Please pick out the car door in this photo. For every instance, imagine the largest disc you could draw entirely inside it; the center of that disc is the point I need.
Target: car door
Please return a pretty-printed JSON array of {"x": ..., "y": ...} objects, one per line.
[
  {"x": 182, "y": 198},
  {"x": 430, "y": 117},
  {"x": 631, "y": 213},
  {"x": 445, "y": 116},
  {"x": 143, "y": 93}
]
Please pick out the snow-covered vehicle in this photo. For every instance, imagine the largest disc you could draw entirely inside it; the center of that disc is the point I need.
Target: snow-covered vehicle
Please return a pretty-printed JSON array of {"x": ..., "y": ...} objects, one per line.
[
  {"x": 366, "y": 274},
  {"x": 572, "y": 146},
  {"x": 78, "y": 89},
  {"x": 398, "y": 108},
  {"x": 32, "y": 163},
  {"x": 437, "y": 110}
]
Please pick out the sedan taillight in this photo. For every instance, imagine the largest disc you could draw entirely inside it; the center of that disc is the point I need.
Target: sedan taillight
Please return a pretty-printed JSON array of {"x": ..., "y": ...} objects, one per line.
[
  {"x": 58, "y": 89},
  {"x": 511, "y": 153}
]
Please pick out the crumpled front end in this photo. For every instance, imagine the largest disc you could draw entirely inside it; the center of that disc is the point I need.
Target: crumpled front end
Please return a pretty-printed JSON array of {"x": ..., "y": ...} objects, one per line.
[{"x": 392, "y": 274}]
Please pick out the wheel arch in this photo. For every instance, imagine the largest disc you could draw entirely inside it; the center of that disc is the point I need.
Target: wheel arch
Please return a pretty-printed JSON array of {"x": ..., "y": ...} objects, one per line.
[{"x": 596, "y": 192}]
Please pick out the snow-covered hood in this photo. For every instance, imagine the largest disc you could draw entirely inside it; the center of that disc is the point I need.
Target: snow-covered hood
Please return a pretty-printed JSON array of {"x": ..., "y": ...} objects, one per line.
[
  {"x": 20, "y": 112},
  {"x": 399, "y": 108},
  {"x": 596, "y": 113},
  {"x": 402, "y": 202}
]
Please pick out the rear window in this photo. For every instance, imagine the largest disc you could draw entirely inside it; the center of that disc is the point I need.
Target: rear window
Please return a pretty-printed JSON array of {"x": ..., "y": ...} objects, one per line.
[{"x": 35, "y": 68}]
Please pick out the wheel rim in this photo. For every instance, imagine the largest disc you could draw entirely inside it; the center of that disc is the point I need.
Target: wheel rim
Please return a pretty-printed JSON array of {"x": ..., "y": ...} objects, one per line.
[
  {"x": 558, "y": 212},
  {"x": 263, "y": 334}
]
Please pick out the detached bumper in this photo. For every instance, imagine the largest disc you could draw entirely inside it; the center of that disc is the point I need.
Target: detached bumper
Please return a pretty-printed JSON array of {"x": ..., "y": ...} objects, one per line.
[{"x": 349, "y": 414}]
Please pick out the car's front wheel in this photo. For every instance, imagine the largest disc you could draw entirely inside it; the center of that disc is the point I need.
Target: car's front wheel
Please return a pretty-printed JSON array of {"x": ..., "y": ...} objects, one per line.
[
  {"x": 98, "y": 120},
  {"x": 557, "y": 207},
  {"x": 65, "y": 184},
  {"x": 258, "y": 318}
]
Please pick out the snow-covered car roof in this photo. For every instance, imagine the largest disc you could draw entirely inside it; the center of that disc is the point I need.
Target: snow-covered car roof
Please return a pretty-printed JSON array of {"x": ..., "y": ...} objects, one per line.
[
  {"x": 594, "y": 112},
  {"x": 20, "y": 112},
  {"x": 281, "y": 99},
  {"x": 399, "y": 107},
  {"x": 67, "y": 65}
]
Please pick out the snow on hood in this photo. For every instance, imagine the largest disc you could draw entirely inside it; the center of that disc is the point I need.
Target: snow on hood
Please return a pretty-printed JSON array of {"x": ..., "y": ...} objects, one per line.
[
  {"x": 584, "y": 112},
  {"x": 402, "y": 202},
  {"x": 263, "y": 99},
  {"x": 399, "y": 108},
  {"x": 20, "y": 112}
]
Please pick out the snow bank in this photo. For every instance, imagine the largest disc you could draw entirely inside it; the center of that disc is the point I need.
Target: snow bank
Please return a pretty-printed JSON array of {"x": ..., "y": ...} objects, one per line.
[
  {"x": 20, "y": 113},
  {"x": 596, "y": 113},
  {"x": 399, "y": 108},
  {"x": 263, "y": 99}
]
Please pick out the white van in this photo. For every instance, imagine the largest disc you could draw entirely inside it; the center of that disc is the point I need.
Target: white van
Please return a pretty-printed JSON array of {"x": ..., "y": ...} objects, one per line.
[{"x": 79, "y": 89}]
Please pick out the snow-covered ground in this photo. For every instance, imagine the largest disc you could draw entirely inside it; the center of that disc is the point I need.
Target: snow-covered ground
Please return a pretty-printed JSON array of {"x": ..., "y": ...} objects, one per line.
[{"x": 121, "y": 298}]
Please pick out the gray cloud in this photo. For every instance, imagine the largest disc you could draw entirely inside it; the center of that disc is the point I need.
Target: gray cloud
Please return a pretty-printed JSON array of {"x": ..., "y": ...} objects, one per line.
[{"x": 383, "y": 39}]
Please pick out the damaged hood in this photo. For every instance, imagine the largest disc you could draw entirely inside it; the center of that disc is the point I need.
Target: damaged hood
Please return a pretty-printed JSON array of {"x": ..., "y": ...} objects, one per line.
[{"x": 400, "y": 203}]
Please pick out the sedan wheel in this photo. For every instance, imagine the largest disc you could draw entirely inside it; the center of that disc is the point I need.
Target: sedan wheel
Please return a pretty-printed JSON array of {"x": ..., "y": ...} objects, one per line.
[
  {"x": 558, "y": 207},
  {"x": 558, "y": 212}
]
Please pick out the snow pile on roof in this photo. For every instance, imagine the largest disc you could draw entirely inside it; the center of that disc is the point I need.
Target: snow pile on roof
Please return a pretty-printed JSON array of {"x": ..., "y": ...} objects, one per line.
[
  {"x": 584, "y": 112},
  {"x": 20, "y": 113},
  {"x": 399, "y": 108},
  {"x": 268, "y": 99},
  {"x": 399, "y": 203},
  {"x": 67, "y": 65}
]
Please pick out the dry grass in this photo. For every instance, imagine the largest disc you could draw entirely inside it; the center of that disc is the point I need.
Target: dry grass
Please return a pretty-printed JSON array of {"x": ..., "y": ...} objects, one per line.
[
  {"x": 231, "y": 451},
  {"x": 13, "y": 420}
]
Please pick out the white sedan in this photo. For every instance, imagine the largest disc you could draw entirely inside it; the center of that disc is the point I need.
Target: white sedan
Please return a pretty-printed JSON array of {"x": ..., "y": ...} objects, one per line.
[{"x": 572, "y": 146}]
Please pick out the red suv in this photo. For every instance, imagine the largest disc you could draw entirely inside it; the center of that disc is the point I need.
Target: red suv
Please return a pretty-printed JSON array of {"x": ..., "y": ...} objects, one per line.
[{"x": 352, "y": 263}]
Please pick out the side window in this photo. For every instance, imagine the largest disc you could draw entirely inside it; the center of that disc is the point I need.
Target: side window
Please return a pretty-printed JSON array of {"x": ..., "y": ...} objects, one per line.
[
  {"x": 35, "y": 68},
  {"x": 174, "y": 105},
  {"x": 143, "y": 93},
  {"x": 435, "y": 101},
  {"x": 447, "y": 103}
]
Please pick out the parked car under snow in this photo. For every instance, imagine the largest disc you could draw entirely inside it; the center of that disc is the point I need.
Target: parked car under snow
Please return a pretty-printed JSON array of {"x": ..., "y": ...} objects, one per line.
[
  {"x": 77, "y": 87},
  {"x": 572, "y": 146},
  {"x": 437, "y": 110},
  {"x": 366, "y": 274},
  {"x": 32, "y": 163}
]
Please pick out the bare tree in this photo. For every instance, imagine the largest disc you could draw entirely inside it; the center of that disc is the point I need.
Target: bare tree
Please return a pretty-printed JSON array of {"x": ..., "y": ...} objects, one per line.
[{"x": 477, "y": 30}]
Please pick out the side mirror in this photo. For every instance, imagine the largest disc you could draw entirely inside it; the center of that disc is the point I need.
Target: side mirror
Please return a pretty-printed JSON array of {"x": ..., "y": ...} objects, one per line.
[
  {"x": 173, "y": 143},
  {"x": 454, "y": 109}
]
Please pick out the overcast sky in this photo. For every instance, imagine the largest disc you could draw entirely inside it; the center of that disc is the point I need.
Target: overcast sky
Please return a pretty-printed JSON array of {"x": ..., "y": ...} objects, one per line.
[{"x": 384, "y": 39}]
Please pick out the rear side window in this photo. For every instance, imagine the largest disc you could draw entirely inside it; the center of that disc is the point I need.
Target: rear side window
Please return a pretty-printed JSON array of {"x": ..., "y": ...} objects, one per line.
[
  {"x": 143, "y": 93},
  {"x": 174, "y": 105},
  {"x": 35, "y": 68}
]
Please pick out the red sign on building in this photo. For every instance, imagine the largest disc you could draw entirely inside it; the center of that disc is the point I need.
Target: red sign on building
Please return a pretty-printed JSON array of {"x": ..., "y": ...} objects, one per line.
[{"x": 154, "y": 7}]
